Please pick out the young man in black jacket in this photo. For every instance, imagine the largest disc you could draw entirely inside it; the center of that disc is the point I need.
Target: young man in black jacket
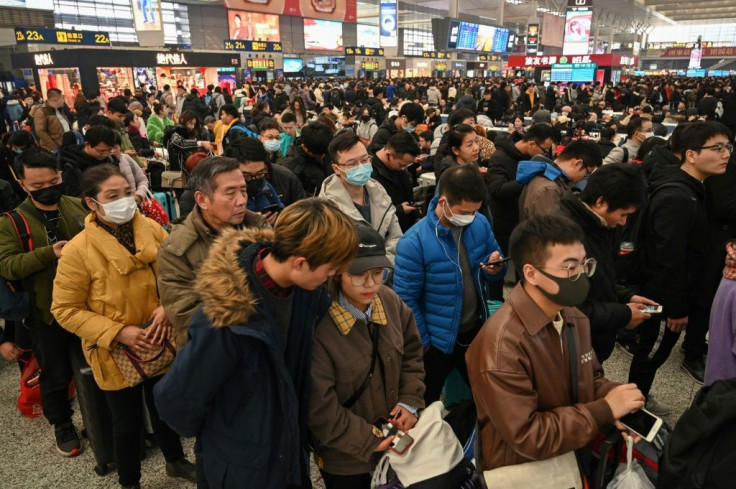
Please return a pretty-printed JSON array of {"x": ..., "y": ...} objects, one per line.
[
  {"x": 676, "y": 246},
  {"x": 389, "y": 169},
  {"x": 409, "y": 117},
  {"x": 503, "y": 189},
  {"x": 308, "y": 158},
  {"x": 614, "y": 192}
]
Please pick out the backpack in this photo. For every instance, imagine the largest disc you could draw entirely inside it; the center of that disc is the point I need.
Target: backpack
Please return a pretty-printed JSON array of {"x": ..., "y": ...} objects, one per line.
[
  {"x": 631, "y": 266},
  {"x": 212, "y": 104},
  {"x": 15, "y": 303},
  {"x": 14, "y": 110},
  {"x": 702, "y": 450}
]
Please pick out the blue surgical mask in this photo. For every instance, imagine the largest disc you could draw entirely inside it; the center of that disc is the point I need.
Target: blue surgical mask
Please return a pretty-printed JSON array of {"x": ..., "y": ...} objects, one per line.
[
  {"x": 410, "y": 129},
  {"x": 359, "y": 175},
  {"x": 17, "y": 151},
  {"x": 272, "y": 145}
]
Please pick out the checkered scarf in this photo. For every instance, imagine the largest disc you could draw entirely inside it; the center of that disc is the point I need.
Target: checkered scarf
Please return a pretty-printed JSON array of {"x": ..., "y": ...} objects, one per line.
[{"x": 730, "y": 270}]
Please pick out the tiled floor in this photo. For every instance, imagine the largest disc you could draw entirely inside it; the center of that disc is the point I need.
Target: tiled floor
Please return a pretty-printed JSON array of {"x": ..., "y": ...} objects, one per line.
[{"x": 28, "y": 459}]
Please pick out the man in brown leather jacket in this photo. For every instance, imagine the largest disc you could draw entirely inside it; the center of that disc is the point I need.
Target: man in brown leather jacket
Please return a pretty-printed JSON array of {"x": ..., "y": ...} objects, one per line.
[{"x": 519, "y": 365}]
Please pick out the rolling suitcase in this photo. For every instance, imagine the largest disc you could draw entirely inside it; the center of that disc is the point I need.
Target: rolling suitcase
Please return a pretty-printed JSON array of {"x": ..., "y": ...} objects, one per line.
[{"x": 95, "y": 414}]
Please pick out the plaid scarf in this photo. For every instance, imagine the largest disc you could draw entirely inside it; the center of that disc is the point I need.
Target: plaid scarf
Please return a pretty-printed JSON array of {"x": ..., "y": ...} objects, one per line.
[{"x": 730, "y": 270}]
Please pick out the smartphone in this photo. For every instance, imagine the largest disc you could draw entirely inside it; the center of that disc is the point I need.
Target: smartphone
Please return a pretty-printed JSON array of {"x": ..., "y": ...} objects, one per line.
[
  {"x": 271, "y": 208},
  {"x": 386, "y": 427},
  {"x": 401, "y": 443},
  {"x": 496, "y": 262},
  {"x": 652, "y": 310},
  {"x": 643, "y": 423}
]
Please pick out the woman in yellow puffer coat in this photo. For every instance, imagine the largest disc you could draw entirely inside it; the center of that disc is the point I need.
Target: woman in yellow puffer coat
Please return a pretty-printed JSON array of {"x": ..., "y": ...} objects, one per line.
[{"x": 104, "y": 291}]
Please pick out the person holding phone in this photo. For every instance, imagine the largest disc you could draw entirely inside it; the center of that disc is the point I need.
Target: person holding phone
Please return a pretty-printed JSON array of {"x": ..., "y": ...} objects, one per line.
[
  {"x": 104, "y": 292},
  {"x": 366, "y": 365}
]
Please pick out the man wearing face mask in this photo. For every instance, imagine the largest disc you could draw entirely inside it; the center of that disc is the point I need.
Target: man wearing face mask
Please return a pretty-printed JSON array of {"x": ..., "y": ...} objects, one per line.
[
  {"x": 308, "y": 156},
  {"x": 443, "y": 264},
  {"x": 356, "y": 194},
  {"x": 53, "y": 219},
  {"x": 519, "y": 365},
  {"x": 638, "y": 130},
  {"x": 288, "y": 187},
  {"x": 409, "y": 116}
]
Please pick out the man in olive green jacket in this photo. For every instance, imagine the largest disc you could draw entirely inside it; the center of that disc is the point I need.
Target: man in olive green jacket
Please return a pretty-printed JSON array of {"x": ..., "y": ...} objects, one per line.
[
  {"x": 52, "y": 219},
  {"x": 221, "y": 198}
]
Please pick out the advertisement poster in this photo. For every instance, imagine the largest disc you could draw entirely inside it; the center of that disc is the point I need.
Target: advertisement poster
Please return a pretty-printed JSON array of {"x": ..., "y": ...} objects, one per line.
[
  {"x": 144, "y": 76},
  {"x": 253, "y": 26},
  {"x": 553, "y": 28},
  {"x": 322, "y": 35},
  {"x": 342, "y": 10},
  {"x": 577, "y": 32},
  {"x": 369, "y": 36},
  {"x": 147, "y": 15},
  {"x": 293, "y": 65},
  {"x": 532, "y": 39},
  {"x": 389, "y": 23}
]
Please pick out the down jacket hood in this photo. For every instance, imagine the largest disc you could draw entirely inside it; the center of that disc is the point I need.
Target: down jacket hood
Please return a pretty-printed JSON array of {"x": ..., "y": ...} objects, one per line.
[
  {"x": 222, "y": 281},
  {"x": 530, "y": 169}
]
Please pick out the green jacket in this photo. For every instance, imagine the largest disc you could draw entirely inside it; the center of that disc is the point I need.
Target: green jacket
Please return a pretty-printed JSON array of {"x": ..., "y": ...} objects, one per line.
[
  {"x": 36, "y": 269},
  {"x": 155, "y": 128}
]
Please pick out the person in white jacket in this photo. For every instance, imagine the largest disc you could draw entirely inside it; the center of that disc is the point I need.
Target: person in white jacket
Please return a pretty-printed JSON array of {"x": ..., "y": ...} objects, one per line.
[{"x": 353, "y": 190}]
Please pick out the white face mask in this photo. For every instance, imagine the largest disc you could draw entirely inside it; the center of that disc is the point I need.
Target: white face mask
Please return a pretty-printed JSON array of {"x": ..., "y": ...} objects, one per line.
[
  {"x": 119, "y": 211},
  {"x": 647, "y": 135},
  {"x": 459, "y": 220}
]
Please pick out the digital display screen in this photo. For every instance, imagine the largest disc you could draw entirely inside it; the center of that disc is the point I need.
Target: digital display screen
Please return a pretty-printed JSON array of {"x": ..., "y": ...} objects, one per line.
[
  {"x": 253, "y": 27},
  {"x": 476, "y": 37},
  {"x": 576, "y": 72},
  {"x": 293, "y": 65},
  {"x": 322, "y": 35},
  {"x": 577, "y": 32},
  {"x": 369, "y": 36}
]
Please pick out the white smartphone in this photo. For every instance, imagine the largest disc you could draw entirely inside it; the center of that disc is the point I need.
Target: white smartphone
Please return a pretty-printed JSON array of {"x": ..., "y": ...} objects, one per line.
[
  {"x": 652, "y": 310},
  {"x": 643, "y": 423}
]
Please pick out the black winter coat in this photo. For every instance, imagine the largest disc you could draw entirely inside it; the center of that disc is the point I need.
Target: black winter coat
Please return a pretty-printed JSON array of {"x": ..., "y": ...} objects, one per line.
[
  {"x": 398, "y": 186},
  {"x": 286, "y": 184},
  {"x": 383, "y": 134},
  {"x": 606, "y": 303},
  {"x": 310, "y": 172},
  {"x": 503, "y": 190},
  {"x": 73, "y": 161},
  {"x": 195, "y": 104}
]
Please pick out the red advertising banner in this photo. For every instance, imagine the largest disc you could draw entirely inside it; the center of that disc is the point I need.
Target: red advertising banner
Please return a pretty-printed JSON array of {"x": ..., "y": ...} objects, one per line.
[
  {"x": 547, "y": 61},
  {"x": 342, "y": 10},
  {"x": 729, "y": 51}
]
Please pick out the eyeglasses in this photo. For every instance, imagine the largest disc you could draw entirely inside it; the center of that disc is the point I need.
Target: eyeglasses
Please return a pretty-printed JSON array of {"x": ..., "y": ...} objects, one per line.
[
  {"x": 588, "y": 171},
  {"x": 575, "y": 271},
  {"x": 378, "y": 276},
  {"x": 254, "y": 176},
  {"x": 720, "y": 147},
  {"x": 366, "y": 160},
  {"x": 272, "y": 137},
  {"x": 544, "y": 150}
]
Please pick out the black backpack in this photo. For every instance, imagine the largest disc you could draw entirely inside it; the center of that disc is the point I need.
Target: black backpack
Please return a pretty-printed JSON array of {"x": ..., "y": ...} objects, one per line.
[
  {"x": 702, "y": 450},
  {"x": 631, "y": 266},
  {"x": 15, "y": 303}
]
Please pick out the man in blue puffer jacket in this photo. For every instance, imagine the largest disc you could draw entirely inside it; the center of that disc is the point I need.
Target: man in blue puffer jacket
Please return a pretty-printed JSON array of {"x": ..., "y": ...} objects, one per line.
[{"x": 441, "y": 267}]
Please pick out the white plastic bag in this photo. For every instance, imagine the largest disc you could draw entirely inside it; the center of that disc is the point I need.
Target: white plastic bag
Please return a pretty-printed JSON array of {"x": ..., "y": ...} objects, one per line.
[{"x": 631, "y": 475}]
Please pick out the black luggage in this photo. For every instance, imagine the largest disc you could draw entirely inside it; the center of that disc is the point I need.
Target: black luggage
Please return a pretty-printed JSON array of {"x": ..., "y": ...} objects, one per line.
[
  {"x": 95, "y": 413},
  {"x": 154, "y": 170}
]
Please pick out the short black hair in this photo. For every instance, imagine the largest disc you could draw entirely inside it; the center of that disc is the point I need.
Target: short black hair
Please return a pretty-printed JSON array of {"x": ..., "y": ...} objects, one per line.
[
  {"x": 129, "y": 116},
  {"x": 287, "y": 117},
  {"x": 100, "y": 120},
  {"x": 117, "y": 105},
  {"x": 344, "y": 142},
  {"x": 231, "y": 110},
  {"x": 100, "y": 134},
  {"x": 634, "y": 125},
  {"x": 696, "y": 134},
  {"x": 460, "y": 183},
  {"x": 427, "y": 135},
  {"x": 530, "y": 241},
  {"x": 377, "y": 91},
  {"x": 268, "y": 123},
  {"x": 539, "y": 133},
  {"x": 247, "y": 150},
  {"x": 587, "y": 151},
  {"x": 53, "y": 93},
  {"x": 316, "y": 136},
  {"x": 675, "y": 141},
  {"x": 403, "y": 143},
  {"x": 21, "y": 139},
  {"x": 458, "y": 116},
  {"x": 413, "y": 112},
  {"x": 620, "y": 185},
  {"x": 34, "y": 157}
]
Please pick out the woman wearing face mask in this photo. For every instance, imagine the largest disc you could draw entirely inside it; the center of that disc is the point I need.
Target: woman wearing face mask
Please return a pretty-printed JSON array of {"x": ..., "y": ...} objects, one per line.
[
  {"x": 363, "y": 313},
  {"x": 104, "y": 292},
  {"x": 367, "y": 126}
]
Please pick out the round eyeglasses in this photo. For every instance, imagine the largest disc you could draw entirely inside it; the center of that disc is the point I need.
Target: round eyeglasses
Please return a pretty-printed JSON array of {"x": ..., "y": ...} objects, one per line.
[{"x": 575, "y": 271}]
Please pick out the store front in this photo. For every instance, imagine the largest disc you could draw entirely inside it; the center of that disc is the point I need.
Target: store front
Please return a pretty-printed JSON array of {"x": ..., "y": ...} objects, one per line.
[
  {"x": 609, "y": 67},
  {"x": 396, "y": 68},
  {"x": 418, "y": 67},
  {"x": 91, "y": 69}
]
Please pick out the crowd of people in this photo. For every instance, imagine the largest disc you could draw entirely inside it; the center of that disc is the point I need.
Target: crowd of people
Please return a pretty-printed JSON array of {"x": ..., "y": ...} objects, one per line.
[{"x": 337, "y": 247}]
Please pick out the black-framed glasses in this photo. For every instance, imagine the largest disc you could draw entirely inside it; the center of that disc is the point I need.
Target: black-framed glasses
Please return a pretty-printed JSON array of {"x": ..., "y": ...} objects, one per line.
[
  {"x": 254, "y": 176},
  {"x": 377, "y": 275},
  {"x": 720, "y": 147},
  {"x": 588, "y": 171},
  {"x": 366, "y": 160},
  {"x": 575, "y": 271},
  {"x": 544, "y": 150}
]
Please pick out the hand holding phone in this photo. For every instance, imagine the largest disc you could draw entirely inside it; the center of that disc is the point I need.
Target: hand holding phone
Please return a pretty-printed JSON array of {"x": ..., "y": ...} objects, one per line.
[
  {"x": 652, "y": 310},
  {"x": 492, "y": 263},
  {"x": 643, "y": 423}
]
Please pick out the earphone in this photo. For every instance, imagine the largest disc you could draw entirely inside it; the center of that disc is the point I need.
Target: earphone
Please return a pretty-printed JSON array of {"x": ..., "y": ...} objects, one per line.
[{"x": 436, "y": 233}]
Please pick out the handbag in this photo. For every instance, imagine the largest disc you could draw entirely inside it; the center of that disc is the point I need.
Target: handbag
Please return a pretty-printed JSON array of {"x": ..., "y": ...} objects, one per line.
[
  {"x": 434, "y": 461},
  {"x": 137, "y": 367},
  {"x": 29, "y": 399},
  {"x": 560, "y": 472},
  {"x": 152, "y": 209},
  {"x": 173, "y": 179}
]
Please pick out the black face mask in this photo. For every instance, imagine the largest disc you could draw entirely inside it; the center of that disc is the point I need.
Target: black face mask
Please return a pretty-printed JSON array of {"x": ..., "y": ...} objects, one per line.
[
  {"x": 365, "y": 118},
  {"x": 253, "y": 187},
  {"x": 48, "y": 195}
]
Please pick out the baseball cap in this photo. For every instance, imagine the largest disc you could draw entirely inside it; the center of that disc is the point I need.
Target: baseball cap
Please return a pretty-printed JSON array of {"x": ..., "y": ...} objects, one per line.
[{"x": 371, "y": 251}]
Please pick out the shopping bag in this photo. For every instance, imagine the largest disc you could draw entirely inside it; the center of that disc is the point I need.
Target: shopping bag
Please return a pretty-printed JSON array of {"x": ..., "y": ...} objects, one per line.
[
  {"x": 630, "y": 475},
  {"x": 29, "y": 399},
  {"x": 151, "y": 208}
]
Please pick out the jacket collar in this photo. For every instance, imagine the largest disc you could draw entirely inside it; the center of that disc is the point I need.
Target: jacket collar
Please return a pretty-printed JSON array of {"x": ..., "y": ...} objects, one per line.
[
  {"x": 146, "y": 249},
  {"x": 530, "y": 315},
  {"x": 527, "y": 170},
  {"x": 345, "y": 320},
  {"x": 334, "y": 190}
]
